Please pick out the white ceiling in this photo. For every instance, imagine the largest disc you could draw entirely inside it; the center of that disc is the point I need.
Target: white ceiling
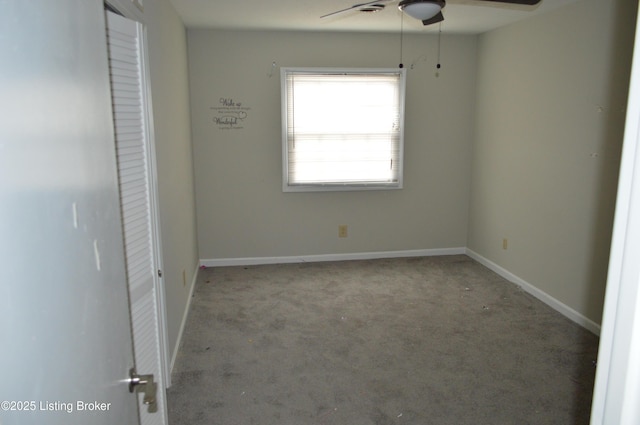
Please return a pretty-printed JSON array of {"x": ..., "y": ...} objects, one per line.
[{"x": 461, "y": 16}]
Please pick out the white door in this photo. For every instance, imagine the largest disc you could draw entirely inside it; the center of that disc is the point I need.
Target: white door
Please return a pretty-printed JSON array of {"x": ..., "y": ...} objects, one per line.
[
  {"x": 135, "y": 168},
  {"x": 65, "y": 338},
  {"x": 617, "y": 386}
]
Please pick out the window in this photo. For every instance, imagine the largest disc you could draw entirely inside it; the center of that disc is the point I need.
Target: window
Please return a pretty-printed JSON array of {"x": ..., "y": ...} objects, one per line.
[{"x": 342, "y": 129}]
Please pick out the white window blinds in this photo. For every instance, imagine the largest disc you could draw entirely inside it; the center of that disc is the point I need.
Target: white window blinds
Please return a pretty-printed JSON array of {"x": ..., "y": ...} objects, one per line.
[{"x": 342, "y": 129}]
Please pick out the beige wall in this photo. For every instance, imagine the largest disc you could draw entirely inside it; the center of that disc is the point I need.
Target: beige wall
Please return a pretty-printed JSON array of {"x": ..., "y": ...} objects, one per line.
[
  {"x": 241, "y": 209},
  {"x": 170, "y": 97},
  {"x": 550, "y": 113}
]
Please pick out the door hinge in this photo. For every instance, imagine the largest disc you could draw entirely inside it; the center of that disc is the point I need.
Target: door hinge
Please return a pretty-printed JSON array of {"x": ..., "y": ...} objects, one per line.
[
  {"x": 144, "y": 384},
  {"x": 159, "y": 273}
]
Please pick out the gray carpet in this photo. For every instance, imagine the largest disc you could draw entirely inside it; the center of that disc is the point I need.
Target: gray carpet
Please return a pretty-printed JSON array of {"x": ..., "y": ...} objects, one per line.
[{"x": 436, "y": 340}]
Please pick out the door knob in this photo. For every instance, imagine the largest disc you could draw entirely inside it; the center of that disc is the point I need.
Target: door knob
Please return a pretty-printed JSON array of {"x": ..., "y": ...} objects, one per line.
[{"x": 144, "y": 384}]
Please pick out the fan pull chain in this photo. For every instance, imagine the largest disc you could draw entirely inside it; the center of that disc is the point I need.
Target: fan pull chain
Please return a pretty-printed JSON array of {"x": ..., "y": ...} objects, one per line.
[
  {"x": 401, "y": 37},
  {"x": 439, "y": 36}
]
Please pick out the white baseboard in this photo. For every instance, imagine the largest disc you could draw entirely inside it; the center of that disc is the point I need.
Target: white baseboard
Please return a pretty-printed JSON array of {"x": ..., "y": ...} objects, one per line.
[
  {"x": 560, "y": 307},
  {"x": 252, "y": 261},
  {"x": 176, "y": 348}
]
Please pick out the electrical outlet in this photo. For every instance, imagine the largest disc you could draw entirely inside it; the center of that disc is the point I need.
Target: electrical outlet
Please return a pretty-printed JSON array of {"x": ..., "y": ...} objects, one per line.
[
  {"x": 505, "y": 243},
  {"x": 342, "y": 231}
]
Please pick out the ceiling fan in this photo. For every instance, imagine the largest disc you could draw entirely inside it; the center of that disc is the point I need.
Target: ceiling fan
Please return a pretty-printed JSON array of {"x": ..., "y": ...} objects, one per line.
[{"x": 427, "y": 11}]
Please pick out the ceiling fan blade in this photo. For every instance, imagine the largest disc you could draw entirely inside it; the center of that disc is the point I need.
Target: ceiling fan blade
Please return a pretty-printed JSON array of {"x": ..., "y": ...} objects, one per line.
[
  {"x": 355, "y": 6},
  {"x": 437, "y": 18},
  {"x": 526, "y": 2}
]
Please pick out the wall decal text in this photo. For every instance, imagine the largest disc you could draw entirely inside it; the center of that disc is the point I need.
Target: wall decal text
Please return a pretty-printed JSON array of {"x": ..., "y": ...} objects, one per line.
[{"x": 230, "y": 114}]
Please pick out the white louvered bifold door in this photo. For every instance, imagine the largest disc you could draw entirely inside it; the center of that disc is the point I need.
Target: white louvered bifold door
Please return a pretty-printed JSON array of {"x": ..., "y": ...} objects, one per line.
[{"x": 138, "y": 212}]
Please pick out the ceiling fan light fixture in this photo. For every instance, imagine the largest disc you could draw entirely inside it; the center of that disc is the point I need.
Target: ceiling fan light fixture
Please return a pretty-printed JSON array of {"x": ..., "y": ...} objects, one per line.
[{"x": 421, "y": 9}]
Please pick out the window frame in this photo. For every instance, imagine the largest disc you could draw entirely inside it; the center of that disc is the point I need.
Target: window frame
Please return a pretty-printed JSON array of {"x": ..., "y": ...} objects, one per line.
[{"x": 340, "y": 186}]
